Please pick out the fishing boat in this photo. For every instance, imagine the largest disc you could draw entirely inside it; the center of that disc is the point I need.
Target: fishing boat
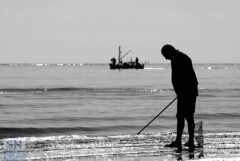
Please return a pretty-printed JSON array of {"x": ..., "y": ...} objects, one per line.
[{"x": 125, "y": 65}]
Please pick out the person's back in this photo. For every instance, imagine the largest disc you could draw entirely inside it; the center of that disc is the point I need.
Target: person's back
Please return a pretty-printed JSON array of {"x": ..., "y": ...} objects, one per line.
[{"x": 184, "y": 79}]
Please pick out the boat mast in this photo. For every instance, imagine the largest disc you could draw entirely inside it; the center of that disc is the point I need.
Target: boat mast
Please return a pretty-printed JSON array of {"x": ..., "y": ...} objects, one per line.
[{"x": 119, "y": 54}]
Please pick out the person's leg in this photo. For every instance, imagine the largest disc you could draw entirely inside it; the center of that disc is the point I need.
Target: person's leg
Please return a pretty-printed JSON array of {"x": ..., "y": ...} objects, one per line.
[
  {"x": 191, "y": 127},
  {"x": 180, "y": 127},
  {"x": 180, "y": 118},
  {"x": 190, "y": 120}
]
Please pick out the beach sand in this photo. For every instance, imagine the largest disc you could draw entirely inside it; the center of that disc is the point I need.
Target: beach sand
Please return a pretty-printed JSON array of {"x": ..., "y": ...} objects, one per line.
[{"x": 150, "y": 147}]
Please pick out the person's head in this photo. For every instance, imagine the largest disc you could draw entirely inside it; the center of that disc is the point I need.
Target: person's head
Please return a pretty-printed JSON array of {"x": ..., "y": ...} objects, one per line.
[{"x": 168, "y": 51}]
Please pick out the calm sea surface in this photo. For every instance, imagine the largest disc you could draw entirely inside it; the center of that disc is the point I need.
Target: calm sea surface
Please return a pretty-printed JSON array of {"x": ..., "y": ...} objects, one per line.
[{"x": 44, "y": 100}]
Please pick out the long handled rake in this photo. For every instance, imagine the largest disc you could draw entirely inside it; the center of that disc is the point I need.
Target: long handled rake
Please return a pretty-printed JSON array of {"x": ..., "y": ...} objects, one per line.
[{"x": 157, "y": 116}]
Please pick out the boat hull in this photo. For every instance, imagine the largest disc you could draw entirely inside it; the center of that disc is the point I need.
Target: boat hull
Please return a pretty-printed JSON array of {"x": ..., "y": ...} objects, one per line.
[{"x": 126, "y": 66}]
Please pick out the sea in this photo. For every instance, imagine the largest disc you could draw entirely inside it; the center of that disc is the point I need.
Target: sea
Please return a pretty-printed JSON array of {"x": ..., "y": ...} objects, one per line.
[{"x": 60, "y": 105}]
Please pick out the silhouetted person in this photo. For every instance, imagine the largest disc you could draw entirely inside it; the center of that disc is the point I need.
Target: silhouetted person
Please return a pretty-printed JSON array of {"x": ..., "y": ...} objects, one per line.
[
  {"x": 113, "y": 60},
  {"x": 136, "y": 61},
  {"x": 185, "y": 84}
]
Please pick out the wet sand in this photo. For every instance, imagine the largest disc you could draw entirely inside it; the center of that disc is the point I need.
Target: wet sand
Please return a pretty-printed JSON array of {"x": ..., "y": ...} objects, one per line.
[{"x": 216, "y": 147}]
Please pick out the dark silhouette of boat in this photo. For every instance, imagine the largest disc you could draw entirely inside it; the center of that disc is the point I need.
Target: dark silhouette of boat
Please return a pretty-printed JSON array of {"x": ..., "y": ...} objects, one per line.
[{"x": 125, "y": 65}]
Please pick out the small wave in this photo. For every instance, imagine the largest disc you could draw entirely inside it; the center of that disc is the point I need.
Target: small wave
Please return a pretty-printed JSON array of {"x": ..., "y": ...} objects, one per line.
[
  {"x": 85, "y": 119},
  {"x": 214, "y": 67},
  {"x": 95, "y": 90},
  {"x": 218, "y": 90},
  {"x": 207, "y": 68},
  {"x": 29, "y": 131},
  {"x": 44, "y": 64},
  {"x": 154, "y": 68},
  {"x": 215, "y": 116},
  {"x": 229, "y": 92},
  {"x": 202, "y": 91}
]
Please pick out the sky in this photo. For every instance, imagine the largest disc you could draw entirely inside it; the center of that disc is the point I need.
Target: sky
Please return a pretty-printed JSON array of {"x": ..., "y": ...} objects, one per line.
[{"x": 90, "y": 31}]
